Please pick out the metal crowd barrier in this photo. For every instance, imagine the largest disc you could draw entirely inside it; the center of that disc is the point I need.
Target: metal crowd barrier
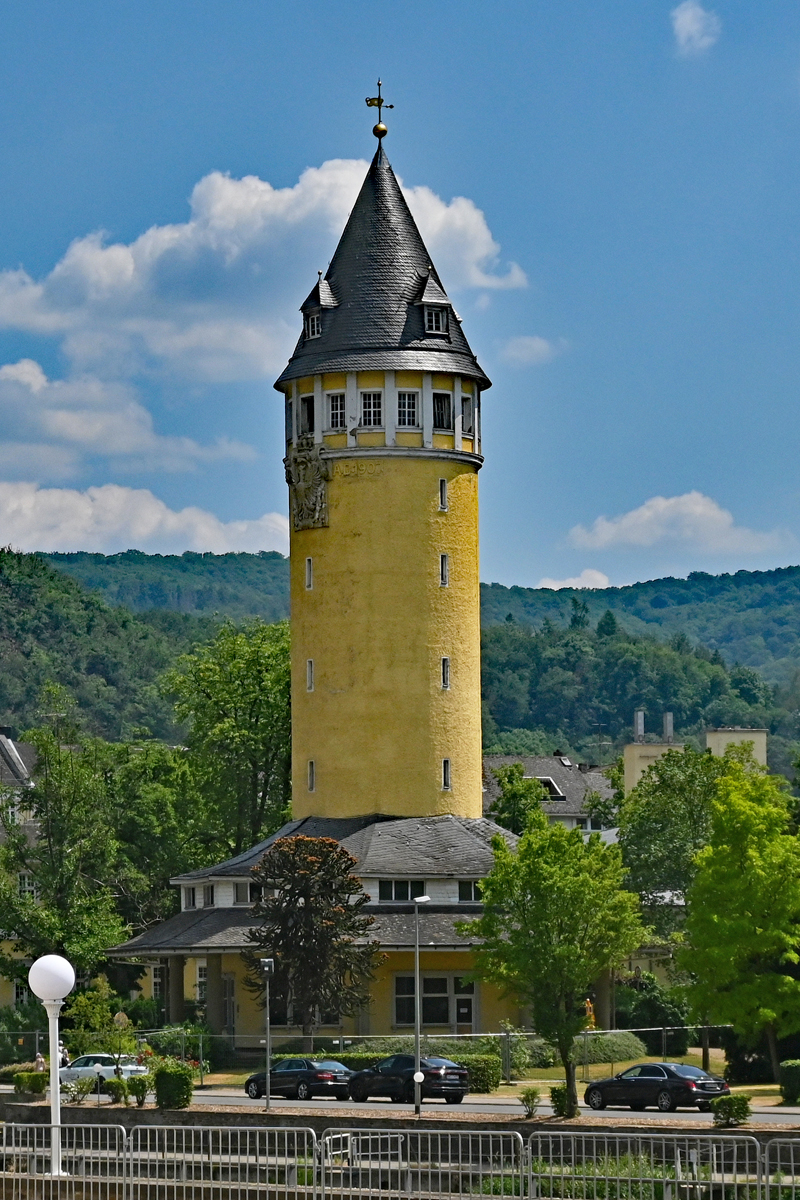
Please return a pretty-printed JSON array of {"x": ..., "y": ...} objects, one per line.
[
  {"x": 399, "y": 1164},
  {"x": 176, "y": 1162},
  {"x": 92, "y": 1164},
  {"x": 237, "y": 1162},
  {"x": 621, "y": 1166}
]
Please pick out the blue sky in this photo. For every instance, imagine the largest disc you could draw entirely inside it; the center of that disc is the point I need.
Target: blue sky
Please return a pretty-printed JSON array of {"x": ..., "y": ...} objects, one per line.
[{"x": 610, "y": 192}]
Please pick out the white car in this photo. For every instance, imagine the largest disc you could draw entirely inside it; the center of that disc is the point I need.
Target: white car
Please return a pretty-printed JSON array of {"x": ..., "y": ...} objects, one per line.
[{"x": 86, "y": 1066}]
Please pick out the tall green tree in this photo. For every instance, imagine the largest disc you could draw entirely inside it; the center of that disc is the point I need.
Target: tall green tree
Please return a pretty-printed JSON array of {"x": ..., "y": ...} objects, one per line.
[
  {"x": 519, "y": 797},
  {"x": 665, "y": 820},
  {"x": 235, "y": 695},
  {"x": 556, "y": 916},
  {"x": 743, "y": 927},
  {"x": 311, "y": 921},
  {"x": 58, "y": 860},
  {"x": 161, "y": 822}
]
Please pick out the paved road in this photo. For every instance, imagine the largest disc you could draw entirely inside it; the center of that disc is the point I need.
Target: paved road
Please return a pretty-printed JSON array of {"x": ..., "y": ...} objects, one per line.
[{"x": 505, "y": 1105}]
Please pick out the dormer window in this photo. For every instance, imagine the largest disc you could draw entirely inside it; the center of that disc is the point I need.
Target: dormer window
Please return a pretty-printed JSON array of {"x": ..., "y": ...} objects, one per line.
[
  {"x": 435, "y": 319},
  {"x": 313, "y": 325}
]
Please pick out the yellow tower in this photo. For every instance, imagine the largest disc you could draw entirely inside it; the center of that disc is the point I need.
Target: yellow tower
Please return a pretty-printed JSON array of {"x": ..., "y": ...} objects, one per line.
[{"x": 383, "y": 448}]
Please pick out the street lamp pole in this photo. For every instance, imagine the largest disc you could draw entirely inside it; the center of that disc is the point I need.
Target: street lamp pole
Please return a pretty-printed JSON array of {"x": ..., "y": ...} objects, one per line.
[
  {"x": 418, "y": 1076},
  {"x": 51, "y": 978},
  {"x": 268, "y": 967}
]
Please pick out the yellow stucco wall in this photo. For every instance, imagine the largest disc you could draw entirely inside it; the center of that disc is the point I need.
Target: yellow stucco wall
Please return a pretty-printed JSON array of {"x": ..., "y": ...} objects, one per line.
[
  {"x": 490, "y": 1007},
  {"x": 376, "y": 625}
]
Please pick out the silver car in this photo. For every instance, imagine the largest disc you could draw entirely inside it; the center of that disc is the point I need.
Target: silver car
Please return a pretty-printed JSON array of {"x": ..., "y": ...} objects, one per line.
[{"x": 86, "y": 1067}]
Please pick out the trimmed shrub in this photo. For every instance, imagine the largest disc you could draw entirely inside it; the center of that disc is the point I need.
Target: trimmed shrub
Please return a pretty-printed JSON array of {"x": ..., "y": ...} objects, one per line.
[
  {"x": 617, "y": 1047},
  {"x": 559, "y": 1098},
  {"x": 33, "y": 1082},
  {"x": 8, "y": 1071},
  {"x": 173, "y": 1084},
  {"x": 731, "y": 1110},
  {"x": 117, "y": 1089},
  {"x": 790, "y": 1080},
  {"x": 138, "y": 1087},
  {"x": 485, "y": 1071},
  {"x": 530, "y": 1097}
]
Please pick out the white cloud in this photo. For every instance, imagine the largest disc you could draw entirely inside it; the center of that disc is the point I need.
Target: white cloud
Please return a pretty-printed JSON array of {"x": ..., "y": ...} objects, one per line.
[
  {"x": 215, "y": 298},
  {"x": 695, "y": 28},
  {"x": 111, "y": 518},
  {"x": 530, "y": 351},
  {"x": 692, "y": 519},
  {"x": 588, "y": 578},
  {"x": 86, "y": 417}
]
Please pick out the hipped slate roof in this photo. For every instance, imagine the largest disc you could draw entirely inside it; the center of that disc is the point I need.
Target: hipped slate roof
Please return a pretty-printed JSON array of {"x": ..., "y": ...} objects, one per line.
[
  {"x": 424, "y": 847},
  {"x": 372, "y": 294},
  {"x": 570, "y": 781},
  {"x": 224, "y": 931}
]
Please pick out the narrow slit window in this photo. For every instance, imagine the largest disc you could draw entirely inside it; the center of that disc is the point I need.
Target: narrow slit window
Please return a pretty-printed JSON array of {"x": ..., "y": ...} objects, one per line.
[
  {"x": 371, "y": 410},
  {"x": 407, "y": 410},
  {"x": 289, "y": 420},
  {"x": 309, "y": 573},
  {"x": 336, "y": 417},
  {"x": 467, "y": 420},
  {"x": 309, "y": 674},
  {"x": 444, "y": 570},
  {"x": 312, "y": 775},
  {"x": 306, "y": 415},
  {"x": 443, "y": 411},
  {"x": 446, "y": 673},
  {"x": 446, "y": 775},
  {"x": 442, "y": 495}
]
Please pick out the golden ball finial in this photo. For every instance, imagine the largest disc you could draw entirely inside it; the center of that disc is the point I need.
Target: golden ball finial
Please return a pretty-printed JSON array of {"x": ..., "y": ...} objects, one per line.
[{"x": 380, "y": 130}]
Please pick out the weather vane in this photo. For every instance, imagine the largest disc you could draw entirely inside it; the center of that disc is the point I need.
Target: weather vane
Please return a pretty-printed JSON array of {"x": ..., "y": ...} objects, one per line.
[{"x": 378, "y": 102}]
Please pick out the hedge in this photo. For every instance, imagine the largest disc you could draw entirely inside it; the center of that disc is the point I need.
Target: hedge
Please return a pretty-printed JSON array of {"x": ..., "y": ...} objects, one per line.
[
  {"x": 9, "y": 1070},
  {"x": 616, "y": 1047},
  {"x": 790, "y": 1080},
  {"x": 174, "y": 1084},
  {"x": 485, "y": 1070},
  {"x": 34, "y": 1082}
]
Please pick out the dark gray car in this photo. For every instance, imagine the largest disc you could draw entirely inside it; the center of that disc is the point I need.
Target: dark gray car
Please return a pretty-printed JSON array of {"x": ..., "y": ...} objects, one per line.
[
  {"x": 665, "y": 1086},
  {"x": 301, "y": 1079}
]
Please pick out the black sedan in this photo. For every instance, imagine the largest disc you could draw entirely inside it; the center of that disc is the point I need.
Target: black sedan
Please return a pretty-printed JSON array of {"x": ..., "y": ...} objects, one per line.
[
  {"x": 302, "y": 1079},
  {"x": 664, "y": 1086},
  {"x": 394, "y": 1077}
]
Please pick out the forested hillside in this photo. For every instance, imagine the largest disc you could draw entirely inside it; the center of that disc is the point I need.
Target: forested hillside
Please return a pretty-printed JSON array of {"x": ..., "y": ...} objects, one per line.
[
  {"x": 53, "y": 631},
  {"x": 558, "y": 675},
  {"x": 232, "y": 585},
  {"x": 569, "y": 687},
  {"x": 752, "y": 617}
]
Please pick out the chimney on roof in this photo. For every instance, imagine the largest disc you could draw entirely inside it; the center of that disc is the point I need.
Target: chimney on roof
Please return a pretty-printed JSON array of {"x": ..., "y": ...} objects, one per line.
[
  {"x": 638, "y": 725},
  {"x": 669, "y": 730}
]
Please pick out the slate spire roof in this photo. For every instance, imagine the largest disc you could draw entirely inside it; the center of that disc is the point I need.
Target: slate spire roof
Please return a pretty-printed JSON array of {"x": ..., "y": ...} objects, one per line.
[{"x": 373, "y": 294}]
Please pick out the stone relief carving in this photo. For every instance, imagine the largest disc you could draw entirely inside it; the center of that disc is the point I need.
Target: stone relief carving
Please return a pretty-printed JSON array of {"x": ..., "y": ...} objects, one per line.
[{"x": 307, "y": 474}]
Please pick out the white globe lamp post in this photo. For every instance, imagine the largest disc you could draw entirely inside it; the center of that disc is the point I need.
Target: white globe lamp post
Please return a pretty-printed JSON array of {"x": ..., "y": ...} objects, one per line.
[{"x": 51, "y": 978}]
